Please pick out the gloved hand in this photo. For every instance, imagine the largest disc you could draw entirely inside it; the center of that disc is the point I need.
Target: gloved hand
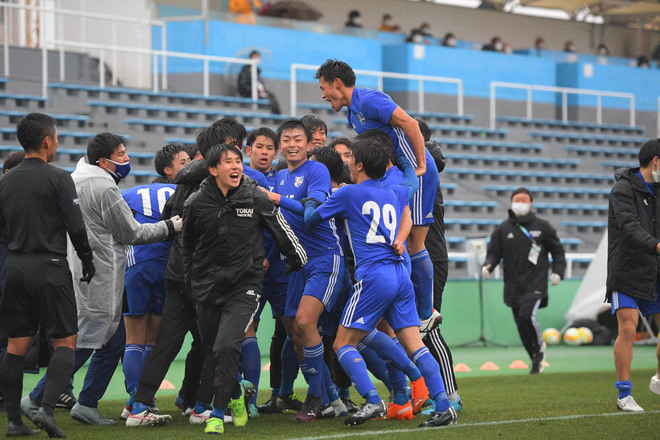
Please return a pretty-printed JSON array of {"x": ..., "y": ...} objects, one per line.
[
  {"x": 88, "y": 271},
  {"x": 177, "y": 222},
  {"x": 485, "y": 271},
  {"x": 555, "y": 279}
]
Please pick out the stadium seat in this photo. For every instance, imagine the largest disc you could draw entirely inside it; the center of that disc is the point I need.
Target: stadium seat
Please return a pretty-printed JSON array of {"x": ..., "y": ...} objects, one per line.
[
  {"x": 483, "y": 145},
  {"x": 596, "y": 138},
  {"x": 545, "y": 162},
  {"x": 554, "y": 123},
  {"x": 601, "y": 151}
]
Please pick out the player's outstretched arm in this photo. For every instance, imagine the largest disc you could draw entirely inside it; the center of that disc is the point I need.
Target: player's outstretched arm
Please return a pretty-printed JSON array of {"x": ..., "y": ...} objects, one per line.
[
  {"x": 284, "y": 202},
  {"x": 410, "y": 127}
]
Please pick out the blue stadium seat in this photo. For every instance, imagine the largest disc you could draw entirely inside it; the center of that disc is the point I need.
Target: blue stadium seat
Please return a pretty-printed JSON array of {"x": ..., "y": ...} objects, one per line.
[
  {"x": 570, "y": 207},
  {"x": 619, "y": 164},
  {"x": 503, "y": 189},
  {"x": 596, "y": 224},
  {"x": 441, "y": 116},
  {"x": 482, "y": 144},
  {"x": 538, "y": 175},
  {"x": 604, "y": 151},
  {"x": 552, "y": 123},
  {"x": 505, "y": 160},
  {"x": 597, "y": 138}
]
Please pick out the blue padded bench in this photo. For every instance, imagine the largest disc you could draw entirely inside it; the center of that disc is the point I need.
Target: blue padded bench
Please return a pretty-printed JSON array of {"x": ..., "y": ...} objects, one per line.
[
  {"x": 525, "y": 173},
  {"x": 602, "y": 150},
  {"x": 619, "y": 164},
  {"x": 10, "y": 148},
  {"x": 438, "y": 115},
  {"x": 547, "y": 189},
  {"x": 473, "y": 221},
  {"x": 572, "y": 124},
  {"x": 596, "y": 224},
  {"x": 571, "y": 206},
  {"x": 20, "y": 114},
  {"x": 499, "y": 145},
  {"x": 560, "y": 136},
  {"x": 471, "y": 203},
  {"x": 474, "y": 131},
  {"x": 565, "y": 241},
  {"x": 514, "y": 159},
  {"x": 21, "y": 99},
  {"x": 314, "y": 106}
]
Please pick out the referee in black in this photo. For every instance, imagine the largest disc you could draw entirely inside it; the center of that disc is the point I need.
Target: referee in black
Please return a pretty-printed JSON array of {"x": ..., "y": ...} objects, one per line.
[{"x": 39, "y": 204}]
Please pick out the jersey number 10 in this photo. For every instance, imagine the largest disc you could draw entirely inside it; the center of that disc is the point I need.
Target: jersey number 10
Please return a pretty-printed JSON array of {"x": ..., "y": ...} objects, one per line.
[
  {"x": 389, "y": 221},
  {"x": 162, "y": 195}
]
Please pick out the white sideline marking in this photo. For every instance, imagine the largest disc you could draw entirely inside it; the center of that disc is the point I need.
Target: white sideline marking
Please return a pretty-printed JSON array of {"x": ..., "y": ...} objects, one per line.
[{"x": 465, "y": 425}]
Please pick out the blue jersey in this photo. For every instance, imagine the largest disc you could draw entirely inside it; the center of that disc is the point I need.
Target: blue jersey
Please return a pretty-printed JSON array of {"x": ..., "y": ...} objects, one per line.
[
  {"x": 256, "y": 175},
  {"x": 271, "y": 178},
  {"x": 298, "y": 184},
  {"x": 277, "y": 265},
  {"x": 147, "y": 202},
  {"x": 372, "y": 212}
]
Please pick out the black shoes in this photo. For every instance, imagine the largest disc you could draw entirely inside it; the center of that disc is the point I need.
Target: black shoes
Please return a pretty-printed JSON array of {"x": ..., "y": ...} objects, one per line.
[
  {"x": 446, "y": 418},
  {"x": 14, "y": 430},
  {"x": 368, "y": 411},
  {"x": 272, "y": 406},
  {"x": 48, "y": 424}
]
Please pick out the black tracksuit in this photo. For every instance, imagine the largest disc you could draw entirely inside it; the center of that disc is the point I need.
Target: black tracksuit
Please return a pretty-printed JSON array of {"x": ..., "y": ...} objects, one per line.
[
  {"x": 633, "y": 265},
  {"x": 525, "y": 283},
  {"x": 223, "y": 253}
]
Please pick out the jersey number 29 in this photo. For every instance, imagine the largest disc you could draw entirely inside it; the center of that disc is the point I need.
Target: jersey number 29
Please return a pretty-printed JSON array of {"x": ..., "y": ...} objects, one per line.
[{"x": 389, "y": 221}]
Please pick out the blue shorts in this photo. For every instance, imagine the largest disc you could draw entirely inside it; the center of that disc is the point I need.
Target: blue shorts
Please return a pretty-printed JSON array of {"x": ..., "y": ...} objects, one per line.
[
  {"x": 275, "y": 294},
  {"x": 145, "y": 287},
  {"x": 321, "y": 278},
  {"x": 621, "y": 301},
  {"x": 421, "y": 205},
  {"x": 329, "y": 321},
  {"x": 385, "y": 291}
]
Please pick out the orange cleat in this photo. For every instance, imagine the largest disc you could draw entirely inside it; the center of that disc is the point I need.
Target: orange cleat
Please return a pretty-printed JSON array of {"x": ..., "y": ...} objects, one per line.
[
  {"x": 399, "y": 412},
  {"x": 420, "y": 394}
]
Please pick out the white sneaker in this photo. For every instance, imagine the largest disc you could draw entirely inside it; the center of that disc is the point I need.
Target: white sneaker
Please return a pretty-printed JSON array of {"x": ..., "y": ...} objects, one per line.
[
  {"x": 655, "y": 384},
  {"x": 146, "y": 418},
  {"x": 430, "y": 323},
  {"x": 628, "y": 404},
  {"x": 199, "y": 419}
]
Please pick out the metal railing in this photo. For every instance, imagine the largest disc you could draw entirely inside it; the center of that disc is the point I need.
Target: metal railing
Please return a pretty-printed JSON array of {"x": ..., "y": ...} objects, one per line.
[
  {"x": 381, "y": 76},
  {"x": 565, "y": 91},
  {"x": 155, "y": 55}
]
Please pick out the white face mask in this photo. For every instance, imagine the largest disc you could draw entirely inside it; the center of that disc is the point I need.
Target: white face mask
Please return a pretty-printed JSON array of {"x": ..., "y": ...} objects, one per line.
[
  {"x": 498, "y": 46},
  {"x": 521, "y": 209},
  {"x": 451, "y": 42},
  {"x": 417, "y": 39},
  {"x": 357, "y": 20},
  {"x": 655, "y": 174}
]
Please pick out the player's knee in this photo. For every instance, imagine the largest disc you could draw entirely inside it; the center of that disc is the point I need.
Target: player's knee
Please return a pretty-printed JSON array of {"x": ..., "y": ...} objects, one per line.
[{"x": 305, "y": 323}]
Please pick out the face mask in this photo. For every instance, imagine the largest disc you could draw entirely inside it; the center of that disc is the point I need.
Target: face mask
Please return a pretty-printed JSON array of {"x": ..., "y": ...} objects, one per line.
[
  {"x": 655, "y": 174},
  {"x": 498, "y": 47},
  {"x": 571, "y": 48},
  {"x": 451, "y": 43},
  {"x": 121, "y": 169},
  {"x": 357, "y": 20},
  {"x": 602, "y": 52},
  {"x": 387, "y": 22},
  {"x": 521, "y": 209},
  {"x": 417, "y": 39}
]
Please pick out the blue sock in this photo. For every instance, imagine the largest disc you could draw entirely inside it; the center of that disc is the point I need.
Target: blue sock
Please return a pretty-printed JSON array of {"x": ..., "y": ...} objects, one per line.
[
  {"x": 389, "y": 351},
  {"x": 314, "y": 360},
  {"x": 422, "y": 279},
  {"x": 239, "y": 377},
  {"x": 399, "y": 384},
  {"x": 200, "y": 407},
  {"x": 375, "y": 364},
  {"x": 138, "y": 407},
  {"x": 133, "y": 365},
  {"x": 345, "y": 393},
  {"x": 328, "y": 386},
  {"x": 304, "y": 369},
  {"x": 147, "y": 352},
  {"x": 218, "y": 413},
  {"x": 289, "y": 367},
  {"x": 431, "y": 372},
  {"x": 411, "y": 369},
  {"x": 624, "y": 387},
  {"x": 274, "y": 392},
  {"x": 251, "y": 363},
  {"x": 354, "y": 366}
]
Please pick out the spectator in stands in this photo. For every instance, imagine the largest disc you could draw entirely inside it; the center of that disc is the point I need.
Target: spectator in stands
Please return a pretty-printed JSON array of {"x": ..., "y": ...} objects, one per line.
[
  {"x": 522, "y": 243},
  {"x": 643, "y": 62},
  {"x": 569, "y": 46},
  {"x": 495, "y": 45},
  {"x": 319, "y": 131},
  {"x": 245, "y": 10},
  {"x": 632, "y": 267},
  {"x": 424, "y": 29},
  {"x": 386, "y": 24},
  {"x": 449, "y": 40},
  {"x": 602, "y": 50},
  {"x": 245, "y": 84},
  {"x": 539, "y": 44},
  {"x": 354, "y": 19},
  {"x": 507, "y": 49}
]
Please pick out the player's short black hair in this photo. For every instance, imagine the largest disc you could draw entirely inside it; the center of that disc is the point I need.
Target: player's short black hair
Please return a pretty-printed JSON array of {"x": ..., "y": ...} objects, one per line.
[
  {"x": 332, "y": 69},
  {"x": 13, "y": 160},
  {"x": 373, "y": 158},
  {"x": 381, "y": 140},
  {"x": 261, "y": 131},
  {"x": 165, "y": 157},
  {"x": 32, "y": 129},
  {"x": 292, "y": 124},
  {"x": 341, "y": 141},
  {"x": 314, "y": 123},
  {"x": 648, "y": 151},
  {"x": 424, "y": 128},
  {"x": 236, "y": 127},
  {"x": 103, "y": 145},
  {"x": 214, "y": 134},
  {"x": 331, "y": 159},
  {"x": 215, "y": 153},
  {"x": 522, "y": 190},
  {"x": 191, "y": 149}
]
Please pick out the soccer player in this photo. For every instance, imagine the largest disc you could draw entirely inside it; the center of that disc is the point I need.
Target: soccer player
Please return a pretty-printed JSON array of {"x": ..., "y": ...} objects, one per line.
[
  {"x": 367, "y": 108},
  {"x": 315, "y": 288},
  {"x": 223, "y": 266},
  {"x": 145, "y": 269},
  {"x": 38, "y": 203},
  {"x": 319, "y": 131},
  {"x": 379, "y": 220}
]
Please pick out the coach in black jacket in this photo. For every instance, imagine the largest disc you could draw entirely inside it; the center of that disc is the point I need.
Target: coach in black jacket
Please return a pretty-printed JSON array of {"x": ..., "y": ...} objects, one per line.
[
  {"x": 633, "y": 261},
  {"x": 223, "y": 254},
  {"x": 523, "y": 242}
]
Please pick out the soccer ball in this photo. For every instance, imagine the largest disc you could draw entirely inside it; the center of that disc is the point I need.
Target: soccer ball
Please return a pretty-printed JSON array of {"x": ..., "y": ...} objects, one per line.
[
  {"x": 572, "y": 336},
  {"x": 551, "y": 336},
  {"x": 586, "y": 335}
]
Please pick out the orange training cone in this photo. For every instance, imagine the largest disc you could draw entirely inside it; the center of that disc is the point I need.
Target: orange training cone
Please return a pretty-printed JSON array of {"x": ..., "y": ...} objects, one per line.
[
  {"x": 166, "y": 385},
  {"x": 489, "y": 366},
  {"x": 518, "y": 365},
  {"x": 462, "y": 368}
]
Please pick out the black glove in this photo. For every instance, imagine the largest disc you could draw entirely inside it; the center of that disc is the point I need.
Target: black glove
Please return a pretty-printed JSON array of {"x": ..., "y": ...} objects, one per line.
[
  {"x": 311, "y": 199},
  {"x": 88, "y": 271},
  {"x": 293, "y": 265}
]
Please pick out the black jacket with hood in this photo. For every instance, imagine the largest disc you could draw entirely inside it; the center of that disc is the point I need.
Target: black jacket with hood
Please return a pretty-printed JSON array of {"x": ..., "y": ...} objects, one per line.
[{"x": 633, "y": 264}]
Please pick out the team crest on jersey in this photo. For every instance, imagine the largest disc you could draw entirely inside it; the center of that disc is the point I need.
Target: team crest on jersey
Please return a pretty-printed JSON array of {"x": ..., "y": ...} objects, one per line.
[
  {"x": 361, "y": 118},
  {"x": 299, "y": 181}
]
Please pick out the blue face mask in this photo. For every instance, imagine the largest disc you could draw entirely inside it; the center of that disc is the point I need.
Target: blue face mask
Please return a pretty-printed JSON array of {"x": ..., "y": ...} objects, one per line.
[{"x": 121, "y": 169}]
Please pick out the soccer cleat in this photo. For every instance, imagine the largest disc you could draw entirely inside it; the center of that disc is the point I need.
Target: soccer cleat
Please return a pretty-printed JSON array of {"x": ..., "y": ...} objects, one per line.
[
  {"x": 420, "y": 394},
  {"x": 628, "y": 404},
  {"x": 126, "y": 412},
  {"x": 310, "y": 410},
  {"x": 537, "y": 368},
  {"x": 214, "y": 425},
  {"x": 89, "y": 415},
  {"x": 292, "y": 401},
  {"x": 537, "y": 360},
  {"x": 339, "y": 407},
  {"x": 430, "y": 323},
  {"x": 327, "y": 412},
  {"x": 199, "y": 419},
  {"x": 237, "y": 407},
  {"x": 186, "y": 409},
  {"x": 368, "y": 411},
  {"x": 272, "y": 406},
  {"x": 351, "y": 407},
  {"x": 22, "y": 430},
  {"x": 66, "y": 401},
  {"x": 655, "y": 384},
  {"x": 448, "y": 417},
  {"x": 48, "y": 424},
  {"x": 399, "y": 412},
  {"x": 253, "y": 412},
  {"x": 146, "y": 418},
  {"x": 457, "y": 404},
  {"x": 29, "y": 408},
  {"x": 250, "y": 391}
]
